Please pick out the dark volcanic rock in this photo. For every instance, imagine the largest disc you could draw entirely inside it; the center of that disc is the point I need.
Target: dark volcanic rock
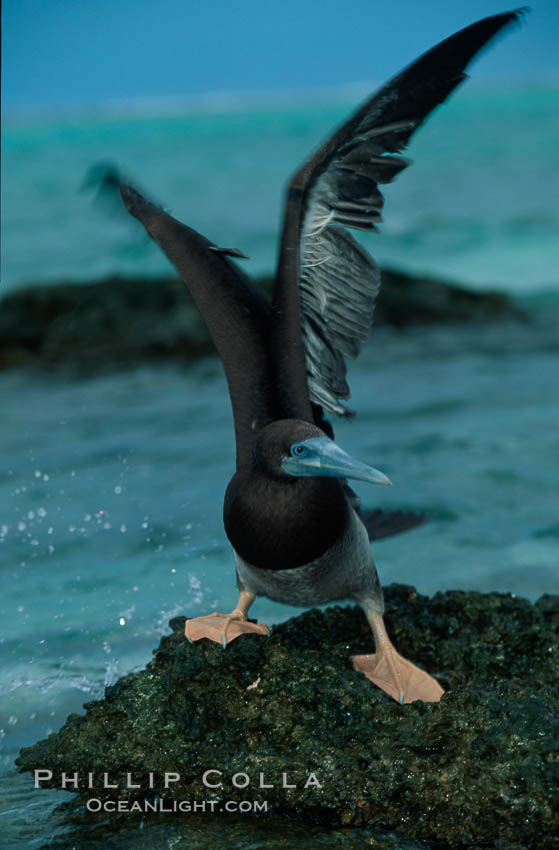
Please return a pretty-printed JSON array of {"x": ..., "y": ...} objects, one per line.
[
  {"x": 408, "y": 299},
  {"x": 119, "y": 322},
  {"x": 95, "y": 326},
  {"x": 480, "y": 768}
]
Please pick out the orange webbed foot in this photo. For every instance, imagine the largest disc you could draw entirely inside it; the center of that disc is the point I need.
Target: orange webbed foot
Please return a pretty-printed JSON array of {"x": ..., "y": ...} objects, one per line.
[
  {"x": 223, "y": 628},
  {"x": 398, "y": 677}
]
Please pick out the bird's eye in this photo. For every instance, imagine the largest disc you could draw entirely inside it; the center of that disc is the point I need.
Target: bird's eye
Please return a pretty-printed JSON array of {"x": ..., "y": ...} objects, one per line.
[{"x": 299, "y": 450}]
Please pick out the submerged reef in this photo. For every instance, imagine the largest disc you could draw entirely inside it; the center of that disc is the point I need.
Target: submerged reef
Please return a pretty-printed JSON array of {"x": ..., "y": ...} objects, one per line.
[
  {"x": 480, "y": 768},
  {"x": 92, "y": 327}
]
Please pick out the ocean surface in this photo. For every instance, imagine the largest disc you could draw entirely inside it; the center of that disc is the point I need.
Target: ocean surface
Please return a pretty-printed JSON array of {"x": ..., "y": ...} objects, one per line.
[
  {"x": 479, "y": 205},
  {"x": 111, "y": 487}
]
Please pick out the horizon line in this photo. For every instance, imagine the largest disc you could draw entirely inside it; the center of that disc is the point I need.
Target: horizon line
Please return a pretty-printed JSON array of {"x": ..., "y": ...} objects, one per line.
[{"x": 231, "y": 100}]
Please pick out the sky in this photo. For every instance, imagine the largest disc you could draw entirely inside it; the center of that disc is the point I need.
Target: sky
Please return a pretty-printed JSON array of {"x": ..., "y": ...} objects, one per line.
[{"x": 84, "y": 53}]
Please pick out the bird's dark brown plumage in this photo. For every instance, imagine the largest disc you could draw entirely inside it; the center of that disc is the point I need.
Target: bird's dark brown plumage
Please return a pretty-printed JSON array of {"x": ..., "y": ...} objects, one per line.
[{"x": 296, "y": 527}]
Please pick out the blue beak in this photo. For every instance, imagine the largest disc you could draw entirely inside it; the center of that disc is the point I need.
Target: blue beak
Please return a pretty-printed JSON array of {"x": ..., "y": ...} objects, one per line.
[{"x": 322, "y": 457}]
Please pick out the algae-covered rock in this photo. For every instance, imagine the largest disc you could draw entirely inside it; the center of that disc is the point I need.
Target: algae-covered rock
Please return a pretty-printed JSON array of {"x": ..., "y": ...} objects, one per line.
[
  {"x": 407, "y": 299},
  {"x": 90, "y": 327},
  {"x": 481, "y": 768},
  {"x": 117, "y": 322}
]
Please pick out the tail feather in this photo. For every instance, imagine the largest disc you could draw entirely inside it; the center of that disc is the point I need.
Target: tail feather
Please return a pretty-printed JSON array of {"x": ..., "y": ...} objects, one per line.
[{"x": 380, "y": 523}]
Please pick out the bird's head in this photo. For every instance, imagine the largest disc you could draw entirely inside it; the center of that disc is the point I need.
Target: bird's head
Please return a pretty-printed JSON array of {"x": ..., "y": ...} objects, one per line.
[{"x": 294, "y": 448}]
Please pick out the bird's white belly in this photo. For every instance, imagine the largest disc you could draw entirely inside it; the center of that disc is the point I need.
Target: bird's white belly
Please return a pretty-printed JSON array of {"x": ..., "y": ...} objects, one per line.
[{"x": 345, "y": 571}]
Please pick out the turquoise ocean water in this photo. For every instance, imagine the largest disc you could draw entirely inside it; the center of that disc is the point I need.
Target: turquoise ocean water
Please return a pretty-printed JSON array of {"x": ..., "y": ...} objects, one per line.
[
  {"x": 479, "y": 206},
  {"x": 111, "y": 487}
]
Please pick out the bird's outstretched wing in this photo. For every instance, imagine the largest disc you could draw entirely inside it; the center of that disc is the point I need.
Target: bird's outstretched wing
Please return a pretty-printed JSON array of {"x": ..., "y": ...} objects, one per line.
[
  {"x": 236, "y": 314},
  {"x": 326, "y": 282}
]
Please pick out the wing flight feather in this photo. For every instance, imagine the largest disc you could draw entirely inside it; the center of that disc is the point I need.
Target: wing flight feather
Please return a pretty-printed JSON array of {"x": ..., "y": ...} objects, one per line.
[{"x": 335, "y": 280}]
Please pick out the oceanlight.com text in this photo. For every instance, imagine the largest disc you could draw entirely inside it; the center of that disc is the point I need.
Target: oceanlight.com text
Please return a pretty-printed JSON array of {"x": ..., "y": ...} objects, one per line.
[{"x": 178, "y": 806}]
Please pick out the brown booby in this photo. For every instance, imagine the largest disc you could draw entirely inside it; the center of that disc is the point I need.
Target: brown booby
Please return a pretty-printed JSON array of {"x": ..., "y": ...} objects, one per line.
[{"x": 289, "y": 514}]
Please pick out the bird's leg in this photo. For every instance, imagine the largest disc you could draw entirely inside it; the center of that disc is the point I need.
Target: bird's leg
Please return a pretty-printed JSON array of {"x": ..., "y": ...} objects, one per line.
[
  {"x": 223, "y": 628},
  {"x": 394, "y": 674}
]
